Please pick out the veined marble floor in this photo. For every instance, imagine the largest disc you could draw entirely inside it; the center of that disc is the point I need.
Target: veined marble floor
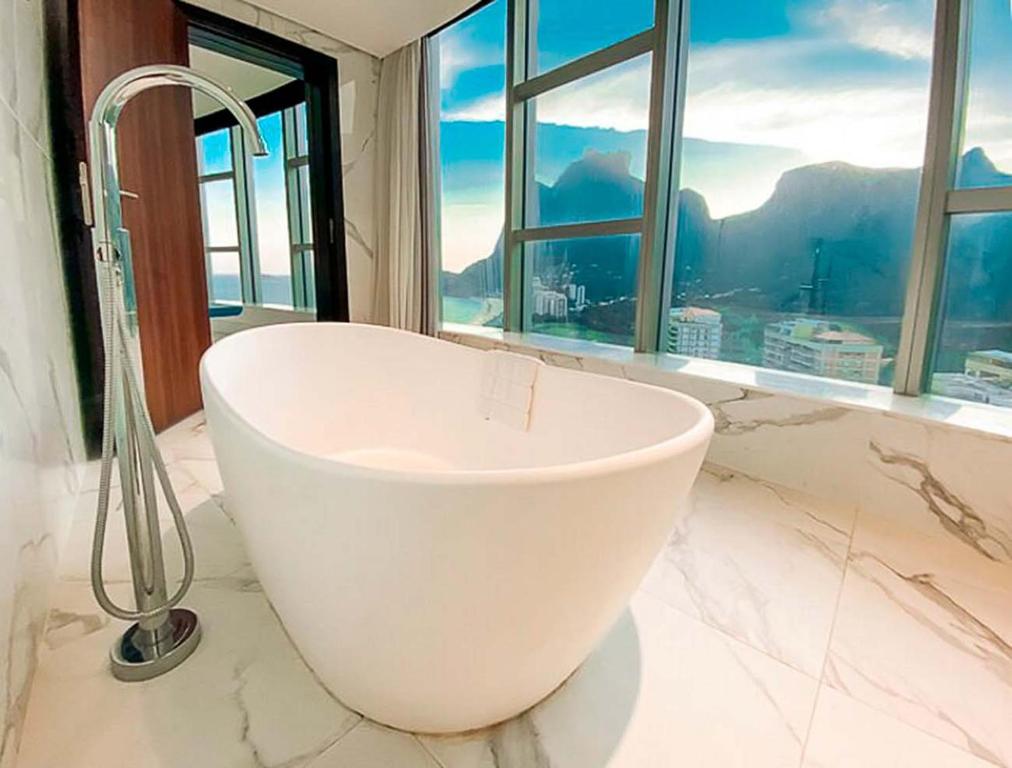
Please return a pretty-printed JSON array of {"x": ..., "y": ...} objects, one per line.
[{"x": 774, "y": 630}]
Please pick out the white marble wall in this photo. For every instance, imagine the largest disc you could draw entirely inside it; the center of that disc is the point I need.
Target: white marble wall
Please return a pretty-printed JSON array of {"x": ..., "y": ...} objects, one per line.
[
  {"x": 359, "y": 79},
  {"x": 41, "y": 447},
  {"x": 923, "y": 611},
  {"x": 942, "y": 475}
]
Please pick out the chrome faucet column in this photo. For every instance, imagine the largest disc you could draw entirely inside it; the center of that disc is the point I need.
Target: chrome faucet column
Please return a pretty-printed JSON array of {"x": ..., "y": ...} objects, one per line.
[{"x": 163, "y": 635}]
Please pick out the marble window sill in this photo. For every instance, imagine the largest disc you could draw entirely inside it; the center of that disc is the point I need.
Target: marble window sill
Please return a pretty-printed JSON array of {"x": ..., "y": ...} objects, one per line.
[{"x": 668, "y": 368}]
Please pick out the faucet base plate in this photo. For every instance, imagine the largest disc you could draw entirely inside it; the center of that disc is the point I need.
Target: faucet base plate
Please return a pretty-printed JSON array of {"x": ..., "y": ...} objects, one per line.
[{"x": 134, "y": 657}]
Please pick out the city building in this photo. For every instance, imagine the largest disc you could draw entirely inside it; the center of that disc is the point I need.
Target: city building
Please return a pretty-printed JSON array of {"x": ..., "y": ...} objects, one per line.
[
  {"x": 993, "y": 365},
  {"x": 986, "y": 378},
  {"x": 548, "y": 302},
  {"x": 695, "y": 332},
  {"x": 577, "y": 294},
  {"x": 821, "y": 348}
]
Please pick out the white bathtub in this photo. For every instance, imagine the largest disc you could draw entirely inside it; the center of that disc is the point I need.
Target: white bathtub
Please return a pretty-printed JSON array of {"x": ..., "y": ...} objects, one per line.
[{"x": 441, "y": 568}]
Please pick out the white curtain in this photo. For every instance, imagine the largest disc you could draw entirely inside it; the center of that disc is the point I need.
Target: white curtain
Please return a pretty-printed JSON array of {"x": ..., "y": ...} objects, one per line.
[{"x": 405, "y": 288}]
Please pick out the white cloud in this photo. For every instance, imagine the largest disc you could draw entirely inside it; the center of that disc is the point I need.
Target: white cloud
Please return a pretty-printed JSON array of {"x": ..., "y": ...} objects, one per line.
[
  {"x": 455, "y": 55},
  {"x": 901, "y": 28},
  {"x": 989, "y": 123},
  {"x": 616, "y": 98},
  {"x": 272, "y": 236},
  {"x": 484, "y": 109},
  {"x": 877, "y": 127},
  {"x": 469, "y": 232},
  {"x": 794, "y": 94}
]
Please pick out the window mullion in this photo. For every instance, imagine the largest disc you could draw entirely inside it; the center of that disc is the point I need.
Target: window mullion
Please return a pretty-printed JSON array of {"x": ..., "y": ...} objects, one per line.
[
  {"x": 631, "y": 226},
  {"x": 979, "y": 200},
  {"x": 249, "y": 267},
  {"x": 517, "y": 67},
  {"x": 945, "y": 113},
  {"x": 293, "y": 208},
  {"x": 206, "y": 232},
  {"x": 661, "y": 173},
  {"x": 614, "y": 54}
]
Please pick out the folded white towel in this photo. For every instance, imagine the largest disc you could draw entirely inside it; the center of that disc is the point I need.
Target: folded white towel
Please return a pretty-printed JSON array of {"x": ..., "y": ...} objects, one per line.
[{"x": 507, "y": 388}]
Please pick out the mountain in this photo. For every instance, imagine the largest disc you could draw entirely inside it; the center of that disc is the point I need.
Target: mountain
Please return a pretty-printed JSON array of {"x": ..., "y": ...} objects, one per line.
[
  {"x": 598, "y": 186},
  {"x": 832, "y": 239},
  {"x": 845, "y": 228}
]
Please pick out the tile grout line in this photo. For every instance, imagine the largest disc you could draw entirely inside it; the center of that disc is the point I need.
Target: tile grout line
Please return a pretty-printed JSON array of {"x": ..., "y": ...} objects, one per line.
[
  {"x": 24, "y": 128},
  {"x": 309, "y": 763},
  {"x": 829, "y": 640},
  {"x": 723, "y": 631},
  {"x": 429, "y": 753},
  {"x": 893, "y": 717}
]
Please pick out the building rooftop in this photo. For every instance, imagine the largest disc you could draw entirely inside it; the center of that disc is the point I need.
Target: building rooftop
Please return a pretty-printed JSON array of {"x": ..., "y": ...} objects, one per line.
[
  {"x": 695, "y": 314},
  {"x": 843, "y": 337},
  {"x": 999, "y": 356},
  {"x": 819, "y": 331}
]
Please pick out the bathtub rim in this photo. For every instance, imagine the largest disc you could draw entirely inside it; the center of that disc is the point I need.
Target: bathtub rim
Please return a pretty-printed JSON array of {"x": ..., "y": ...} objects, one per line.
[{"x": 699, "y": 433}]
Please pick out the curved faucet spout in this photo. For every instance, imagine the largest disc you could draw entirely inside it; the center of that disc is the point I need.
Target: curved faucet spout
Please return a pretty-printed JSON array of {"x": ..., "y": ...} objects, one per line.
[
  {"x": 109, "y": 236},
  {"x": 120, "y": 90},
  {"x": 110, "y": 240}
]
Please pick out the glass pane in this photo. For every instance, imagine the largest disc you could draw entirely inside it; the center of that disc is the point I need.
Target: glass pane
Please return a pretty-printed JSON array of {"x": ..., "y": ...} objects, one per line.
[
  {"x": 301, "y": 130},
  {"x": 273, "y": 247},
  {"x": 214, "y": 152},
  {"x": 218, "y": 201},
  {"x": 225, "y": 282},
  {"x": 569, "y": 29},
  {"x": 472, "y": 77},
  {"x": 582, "y": 288},
  {"x": 973, "y": 360},
  {"x": 590, "y": 147},
  {"x": 310, "y": 278},
  {"x": 305, "y": 206},
  {"x": 803, "y": 139},
  {"x": 986, "y": 159}
]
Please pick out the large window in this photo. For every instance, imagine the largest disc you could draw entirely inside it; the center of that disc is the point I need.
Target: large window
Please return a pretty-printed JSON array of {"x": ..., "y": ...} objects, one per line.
[
  {"x": 469, "y": 59},
  {"x": 578, "y": 115},
  {"x": 256, "y": 214},
  {"x": 216, "y": 177},
  {"x": 802, "y": 140},
  {"x": 823, "y": 188},
  {"x": 967, "y": 255}
]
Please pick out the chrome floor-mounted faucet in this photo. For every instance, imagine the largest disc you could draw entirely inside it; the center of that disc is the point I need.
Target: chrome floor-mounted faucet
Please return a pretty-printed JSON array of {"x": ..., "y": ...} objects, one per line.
[{"x": 163, "y": 635}]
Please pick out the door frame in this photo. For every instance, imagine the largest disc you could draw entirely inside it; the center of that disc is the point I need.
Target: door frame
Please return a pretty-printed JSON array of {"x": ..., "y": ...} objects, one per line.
[
  {"x": 68, "y": 124},
  {"x": 319, "y": 72}
]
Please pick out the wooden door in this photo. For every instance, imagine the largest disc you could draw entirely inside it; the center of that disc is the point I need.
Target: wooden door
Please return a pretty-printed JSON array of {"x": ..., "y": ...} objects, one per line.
[{"x": 158, "y": 163}]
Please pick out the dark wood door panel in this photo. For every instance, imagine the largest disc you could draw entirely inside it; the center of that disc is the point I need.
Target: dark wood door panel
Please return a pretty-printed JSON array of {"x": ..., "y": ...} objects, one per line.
[{"x": 157, "y": 162}]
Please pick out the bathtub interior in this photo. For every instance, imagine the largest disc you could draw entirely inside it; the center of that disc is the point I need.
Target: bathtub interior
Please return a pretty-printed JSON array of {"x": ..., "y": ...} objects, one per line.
[{"x": 372, "y": 396}]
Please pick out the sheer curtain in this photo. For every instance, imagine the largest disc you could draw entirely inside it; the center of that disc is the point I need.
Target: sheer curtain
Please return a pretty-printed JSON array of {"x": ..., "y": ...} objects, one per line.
[{"x": 405, "y": 272}]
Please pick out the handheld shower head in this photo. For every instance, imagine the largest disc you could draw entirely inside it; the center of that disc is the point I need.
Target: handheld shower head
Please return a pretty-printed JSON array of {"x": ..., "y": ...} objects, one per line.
[{"x": 164, "y": 635}]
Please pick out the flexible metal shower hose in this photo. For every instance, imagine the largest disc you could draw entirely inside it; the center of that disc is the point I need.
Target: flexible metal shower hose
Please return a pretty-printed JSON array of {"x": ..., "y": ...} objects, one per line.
[{"x": 119, "y": 362}]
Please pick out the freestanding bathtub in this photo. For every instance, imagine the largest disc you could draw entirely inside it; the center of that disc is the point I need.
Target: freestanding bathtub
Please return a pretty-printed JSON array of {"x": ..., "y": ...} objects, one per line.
[{"x": 446, "y": 533}]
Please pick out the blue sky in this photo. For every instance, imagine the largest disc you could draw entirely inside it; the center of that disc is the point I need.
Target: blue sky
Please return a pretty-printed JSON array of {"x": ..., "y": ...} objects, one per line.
[
  {"x": 771, "y": 85},
  {"x": 271, "y": 210}
]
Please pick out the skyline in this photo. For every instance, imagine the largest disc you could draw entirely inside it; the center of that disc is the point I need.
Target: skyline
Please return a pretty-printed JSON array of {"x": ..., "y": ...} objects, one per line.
[{"x": 771, "y": 86}]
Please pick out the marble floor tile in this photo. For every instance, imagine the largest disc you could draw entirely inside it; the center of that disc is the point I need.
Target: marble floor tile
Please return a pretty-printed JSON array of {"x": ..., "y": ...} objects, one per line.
[
  {"x": 245, "y": 698},
  {"x": 219, "y": 552},
  {"x": 188, "y": 439},
  {"x": 715, "y": 664},
  {"x": 373, "y": 746},
  {"x": 763, "y": 563},
  {"x": 662, "y": 690},
  {"x": 848, "y": 734},
  {"x": 924, "y": 633}
]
